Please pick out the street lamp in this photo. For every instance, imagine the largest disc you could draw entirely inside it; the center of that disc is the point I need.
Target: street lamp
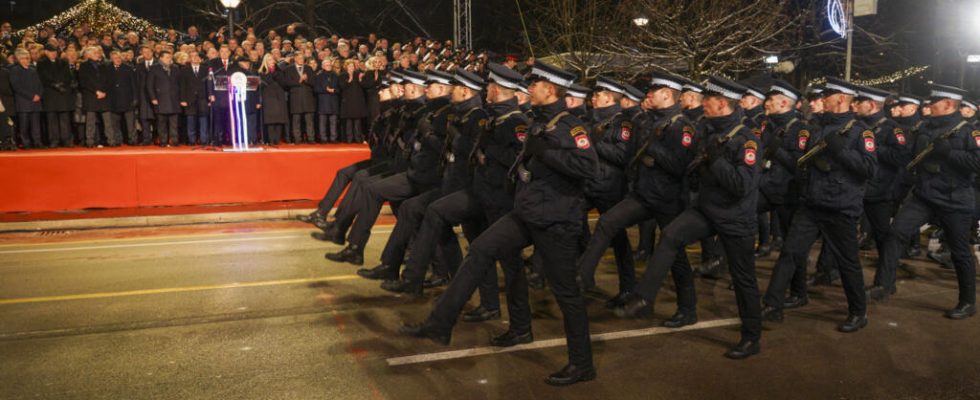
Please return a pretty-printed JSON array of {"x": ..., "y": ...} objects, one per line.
[
  {"x": 230, "y": 5},
  {"x": 973, "y": 59},
  {"x": 641, "y": 21}
]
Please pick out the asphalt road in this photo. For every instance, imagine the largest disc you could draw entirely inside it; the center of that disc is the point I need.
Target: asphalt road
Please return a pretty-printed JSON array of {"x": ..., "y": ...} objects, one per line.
[{"x": 254, "y": 311}]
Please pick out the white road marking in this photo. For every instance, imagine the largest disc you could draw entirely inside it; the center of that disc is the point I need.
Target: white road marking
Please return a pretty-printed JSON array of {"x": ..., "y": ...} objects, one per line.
[
  {"x": 167, "y": 243},
  {"x": 601, "y": 337}
]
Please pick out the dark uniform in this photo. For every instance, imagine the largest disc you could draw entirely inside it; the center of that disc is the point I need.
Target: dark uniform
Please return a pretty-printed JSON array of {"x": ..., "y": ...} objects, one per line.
[
  {"x": 728, "y": 178},
  {"x": 833, "y": 203},
  {"x": 424, "y": 174},
  {"x": 943, "y": 192},
  {"x": 557, "y": 160},
  {"x": 657, "y": 162},
  {"x": 786, "y": 137}
]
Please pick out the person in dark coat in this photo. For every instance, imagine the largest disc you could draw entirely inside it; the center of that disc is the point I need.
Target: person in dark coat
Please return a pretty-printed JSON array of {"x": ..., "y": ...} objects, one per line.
[
  {"x": 274, "y": 113},
  {"x": 370, "y": 84},
  {"x": 93, "y": 83},
  {"x": 327, "y": 88},
  {"x": 123, "y": 93},
  {"x": 27, "y": 92},
  {"x": 143, "y": 65},
  {"x": 7, "y": 99},
  {"x": 58, "y": 99},
  {"x": 298, "y": 79},
  {"x": 221, "y": 68},
  {"x": 163, "y": 87},
  {"x": 353, "y": 108},
  {"x": 194, "y": 99}
]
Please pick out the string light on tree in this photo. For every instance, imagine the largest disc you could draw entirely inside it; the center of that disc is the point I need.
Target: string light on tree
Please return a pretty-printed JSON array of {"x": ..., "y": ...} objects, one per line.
[
  {"x": 881, "y": 80},
  {"x": 837, "y": 17},
  {"x": 101, "y": 15}
]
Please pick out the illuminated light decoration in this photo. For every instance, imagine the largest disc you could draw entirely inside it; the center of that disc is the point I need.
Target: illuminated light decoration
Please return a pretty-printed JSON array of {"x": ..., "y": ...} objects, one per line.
[
  {"x": 102, "y": 16},
  {"x": 237, "y": 94},
  {"x": 838, "y": 20},
  {"x": 881, "y": 80}
]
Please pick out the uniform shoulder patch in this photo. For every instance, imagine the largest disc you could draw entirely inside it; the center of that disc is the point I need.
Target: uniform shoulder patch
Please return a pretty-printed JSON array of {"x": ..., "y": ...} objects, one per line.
[
  {"x": 520, "y": 132},
  {"x": 802, "y": 139},
  {"x": 578, "y": 130},
  {"x": 899, "y": 136},
  {"x": 976, "y": 137},
  {"x": 687, "y": 136},
  {"x": 582, "y": 141},
  {"x": 751, "y": 150},
  {"x": 757, "y": 132},
  {"x": 626, "y": 131},
  {"x": 869, "y": 141}
]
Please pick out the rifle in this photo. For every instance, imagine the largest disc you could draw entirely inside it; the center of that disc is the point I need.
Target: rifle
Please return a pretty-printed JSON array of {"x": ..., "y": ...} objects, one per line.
[
  {"x": 702, "y": 156},
  {"x": 658, "y": 129},
  {"x": 518, "y": 169},
  {"x": 931, "y": 147},
  {"x": 821, "y": 146}
]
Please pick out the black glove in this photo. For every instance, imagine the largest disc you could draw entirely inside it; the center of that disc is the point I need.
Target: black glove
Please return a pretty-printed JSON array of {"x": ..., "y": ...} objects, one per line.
[
  {"x": 535, "y": 146},
  {"x": 715, "y": 151},
  {"x": 835, "y": 142},
  {"x": 941, "y": 147}
]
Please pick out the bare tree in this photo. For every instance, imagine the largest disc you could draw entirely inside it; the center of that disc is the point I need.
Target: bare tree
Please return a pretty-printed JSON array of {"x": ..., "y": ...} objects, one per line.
[
  {"x": 702, "y": 37},
  {"x": 571, "y": 33}
]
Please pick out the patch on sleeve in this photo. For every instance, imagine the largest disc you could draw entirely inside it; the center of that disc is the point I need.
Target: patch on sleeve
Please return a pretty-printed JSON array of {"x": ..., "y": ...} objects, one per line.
[
  {"x": 803, "y": 138},
  {"x": 582, "y": 141},
  {"x": 521, "y": 132},
  {"x": 751, "y": 147},
  {"x": 483, "y": 123},
  {"x": 625, "y": 131},
  {"x": 976, "y": 137},
  {"x": 578, "y": 131},
  {"x": 899, "y": 136},
  {"x": 688, "y": 137},
  {"x": 869, "y": 141},
  {"x": 757, "y": 132}
]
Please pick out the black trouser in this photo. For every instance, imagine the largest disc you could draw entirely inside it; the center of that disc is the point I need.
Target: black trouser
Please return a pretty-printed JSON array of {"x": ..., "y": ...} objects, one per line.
[
  {"x": 197, "y": 129},
  {"x": 129, "y": 118},
  {"x": 839, "y": 233},
  {"x": 328, "y": 127},
  {"x": 610, "y": 227},
  {"x": 29, "y": 127},
  {"x": 689, "y": 227},
  {"x": 340, "y": 181},
  {"x": 915, "y": 212},
  {"x": 167, "y": 129},
  {"x": 352, "y": 130},
  {"x": 460, "y": 207},
  {"x": 91, "y": 128},
  {"x": 648, "y": 235},
  {"x": 274, "y": 133},
  {"x": 879, "y": 223},
  {"x": 410, "y": 214},
  {"x": 415, "y": 221},
  {"x": 59, "y": 128},
  {"x": 620, "y": 242},
  {"x": 558, "y": 245},
  {"x": 395, "y": 188},
  {"x": 307, "y": 128},
  {"x": 146, "y": 127},
  {"x": 784, "y": 215}
]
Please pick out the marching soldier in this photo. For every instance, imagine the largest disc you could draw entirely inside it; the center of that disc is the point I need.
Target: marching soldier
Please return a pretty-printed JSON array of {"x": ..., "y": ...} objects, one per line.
[
  {"x": 728, "y": 172},
  {"x": 556, "y": 161},
  {"x": 839, "y": 161},
  {"x": 786, "y": 136},
  {"x": 657, "y": 168},
  {"x": 946, "y": 162}
]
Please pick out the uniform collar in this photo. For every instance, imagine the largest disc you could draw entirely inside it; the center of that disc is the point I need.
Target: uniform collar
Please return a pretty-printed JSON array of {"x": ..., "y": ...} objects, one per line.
[
  {"x": 471, "y": 103},
  {"x": 546, "y": 112},
  {"x": 504, "y": 107},
  {"x": 600, "y": 114}
]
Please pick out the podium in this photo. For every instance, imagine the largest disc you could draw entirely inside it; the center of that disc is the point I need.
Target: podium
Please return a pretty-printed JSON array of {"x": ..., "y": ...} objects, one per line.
[{"x": 237, "y": 87}]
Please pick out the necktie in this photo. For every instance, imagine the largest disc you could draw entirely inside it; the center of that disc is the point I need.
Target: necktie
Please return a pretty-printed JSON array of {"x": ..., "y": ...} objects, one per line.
[{"x": 195, "y": 70}]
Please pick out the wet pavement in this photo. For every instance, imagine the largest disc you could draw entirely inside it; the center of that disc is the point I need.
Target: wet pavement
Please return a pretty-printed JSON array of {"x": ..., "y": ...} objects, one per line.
[{"x": 254, "y": 311}]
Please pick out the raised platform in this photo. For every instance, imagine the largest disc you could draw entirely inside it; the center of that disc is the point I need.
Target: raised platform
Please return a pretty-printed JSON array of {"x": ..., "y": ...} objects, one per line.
[{"x": 137, "y": 177}]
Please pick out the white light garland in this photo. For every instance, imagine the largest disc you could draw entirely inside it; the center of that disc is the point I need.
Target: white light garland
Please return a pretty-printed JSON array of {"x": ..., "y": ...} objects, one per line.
[{"x": 838, "y": 20}]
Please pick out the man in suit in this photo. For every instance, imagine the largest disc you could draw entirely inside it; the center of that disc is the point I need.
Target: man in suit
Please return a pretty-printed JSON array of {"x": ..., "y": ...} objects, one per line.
[
  {"x": 27, "y": 92},
  {"x": 123, "y": 94},
  {"x": 223, "y": 66},
  {"x": 298, "y": 80},
  {"x": 95, "y": 96},
  {"x": 58, "y": 99},
  {"x": 143, "y": 65},
  {"x": 163, "y": 89},
  {"x": 194, "y": 99}
]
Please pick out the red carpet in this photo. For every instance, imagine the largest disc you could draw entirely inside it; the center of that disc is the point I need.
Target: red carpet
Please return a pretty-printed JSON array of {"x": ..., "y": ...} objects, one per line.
[{"x": 132, "y": 177}]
